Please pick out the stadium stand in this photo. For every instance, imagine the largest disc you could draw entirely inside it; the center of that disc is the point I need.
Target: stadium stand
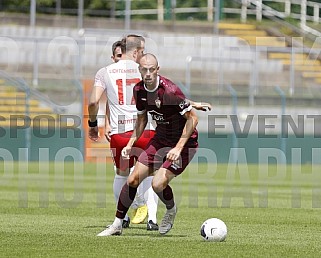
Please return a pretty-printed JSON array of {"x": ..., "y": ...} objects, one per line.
[
  {"x": 307, "y": 68},
  {"x": 15, "y": 104},
  {"x": 232, "y": 55}
]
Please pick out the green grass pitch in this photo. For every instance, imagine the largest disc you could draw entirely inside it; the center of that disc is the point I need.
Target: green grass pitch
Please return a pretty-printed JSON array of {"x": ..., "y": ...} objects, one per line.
[{"x": 56, "y": 210}]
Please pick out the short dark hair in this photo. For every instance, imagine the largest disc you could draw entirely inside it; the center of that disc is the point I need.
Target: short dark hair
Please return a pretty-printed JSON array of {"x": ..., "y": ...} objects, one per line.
[
  {"x": 115, "y": 45},
  {"x": 150, "y": 55},
  {"x": 131, "y": 42}
]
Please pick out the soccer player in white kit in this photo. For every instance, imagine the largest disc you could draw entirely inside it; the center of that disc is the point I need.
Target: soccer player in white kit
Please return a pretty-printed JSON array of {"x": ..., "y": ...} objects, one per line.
[{"x": 118, "y": 80}]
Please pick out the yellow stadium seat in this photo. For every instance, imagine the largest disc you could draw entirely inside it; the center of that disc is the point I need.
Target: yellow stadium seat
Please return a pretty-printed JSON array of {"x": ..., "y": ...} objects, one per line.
[
  {"x": 12, "y": 94},
  {"x": 308, "y": 68},
  {"x": 301, "y": 62},
  {"x": 311, "y": 75},
  {"x": 236, "y": 26},
  {"x": 287, "y": 56},
  {"x": 22, "y": 109},
  {"x": 32, "y": 116},
  {"x": 258, "y": 33},
  {"x": 12, "y": 101}
]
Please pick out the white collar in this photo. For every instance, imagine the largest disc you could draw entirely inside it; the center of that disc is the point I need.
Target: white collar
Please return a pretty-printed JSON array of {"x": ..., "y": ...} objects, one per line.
[{"x": 154, "y": 88}]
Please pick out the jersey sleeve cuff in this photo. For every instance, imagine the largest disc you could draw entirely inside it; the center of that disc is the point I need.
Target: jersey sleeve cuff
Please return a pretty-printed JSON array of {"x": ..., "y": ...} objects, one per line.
[
  {"x": 140, "y": 112},
  {"x": 189, "y": 108},
  {"x": 99, "y": 85}
]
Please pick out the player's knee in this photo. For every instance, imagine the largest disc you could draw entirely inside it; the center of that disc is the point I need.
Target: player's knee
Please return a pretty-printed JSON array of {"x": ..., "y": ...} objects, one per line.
[
  {"x": 132, "y": 181},
  {"x": 157, "y": 186}
]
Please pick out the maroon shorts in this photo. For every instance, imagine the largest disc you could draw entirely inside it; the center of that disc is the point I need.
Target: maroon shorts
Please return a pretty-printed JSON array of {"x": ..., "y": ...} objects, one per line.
[
  {"x": 119, "y": 141},
  {"x": 155, "y": 157}
]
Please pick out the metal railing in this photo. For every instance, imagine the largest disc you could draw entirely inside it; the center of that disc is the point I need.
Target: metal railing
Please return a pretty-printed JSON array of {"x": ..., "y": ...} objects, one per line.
[
  {"x": 283, "y": 106},
  {"x": 71, "y": 59},
  {"x": 262, "y": 9},
  {"x": 288, "y": 72},
  {"x": 234, "y": 153},
  {"x": 163, "y": 11},
  {"x": 252, "y": 83},
  {"x": 30, "y": 93},
  {"x": 22, "y": 85}
]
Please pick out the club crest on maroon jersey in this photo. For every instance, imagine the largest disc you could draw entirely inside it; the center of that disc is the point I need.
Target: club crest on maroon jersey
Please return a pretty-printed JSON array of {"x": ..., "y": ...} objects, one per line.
[{"x": 158, "y": 103}]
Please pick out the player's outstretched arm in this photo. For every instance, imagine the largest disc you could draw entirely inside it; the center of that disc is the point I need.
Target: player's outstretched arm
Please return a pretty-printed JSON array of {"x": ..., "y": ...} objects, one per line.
[
  {"x": 203, "y": 106},
  {"x": 140, "y": 125}
]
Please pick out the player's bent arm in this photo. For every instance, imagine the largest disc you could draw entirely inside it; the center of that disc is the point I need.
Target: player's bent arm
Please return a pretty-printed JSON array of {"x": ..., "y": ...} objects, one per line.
[
  {"x": 191, "y": 122},
  {"x": 93, "y": 105},
  {"x": 140, "y": 126}
]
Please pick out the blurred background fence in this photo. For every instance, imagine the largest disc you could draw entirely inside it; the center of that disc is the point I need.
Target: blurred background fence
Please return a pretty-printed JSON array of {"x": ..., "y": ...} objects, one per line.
[
  {"x": 173, "y": 10},
  {"x": 51, "y": 59},
  {"x": 247, "y": 58}
]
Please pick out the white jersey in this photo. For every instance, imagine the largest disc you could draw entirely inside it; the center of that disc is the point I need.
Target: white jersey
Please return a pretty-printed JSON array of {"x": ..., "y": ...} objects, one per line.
[{"x": 118, "y": 80}]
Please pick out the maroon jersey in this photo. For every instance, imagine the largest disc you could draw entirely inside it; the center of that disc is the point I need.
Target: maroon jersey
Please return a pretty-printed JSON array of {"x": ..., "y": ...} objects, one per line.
[{"x": 167, "y": 104}]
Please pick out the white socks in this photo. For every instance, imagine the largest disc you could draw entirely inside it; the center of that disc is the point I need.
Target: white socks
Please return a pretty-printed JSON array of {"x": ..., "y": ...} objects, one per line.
[
  {"x": 152, "y": 202},
  {"x": 118, "y": 223},
  {"x": 151, "y": 199},
  {"x": 119, "y": 182},
  {"x": 145, "y": 194}
]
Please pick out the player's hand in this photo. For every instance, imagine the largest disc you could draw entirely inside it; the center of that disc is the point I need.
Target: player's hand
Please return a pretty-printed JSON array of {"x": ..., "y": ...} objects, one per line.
[
  {"x": 107, "y": 132},
  {"x": 203, "y": 106},
  {"x": 93, "y": 133},
  {"x": 125, "y": 152},
  {"x": 174, "y": 154}
]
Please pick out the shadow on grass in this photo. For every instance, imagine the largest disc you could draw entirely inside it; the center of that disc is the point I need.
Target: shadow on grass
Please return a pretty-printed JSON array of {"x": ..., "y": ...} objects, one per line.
[
  {"x": 136, "y": 231},
  {"x": 96, "y": 226}
]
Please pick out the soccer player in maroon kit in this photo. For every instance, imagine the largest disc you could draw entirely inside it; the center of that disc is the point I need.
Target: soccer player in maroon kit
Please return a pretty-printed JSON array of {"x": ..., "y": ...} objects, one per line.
[{"x": 168, "y": 152}]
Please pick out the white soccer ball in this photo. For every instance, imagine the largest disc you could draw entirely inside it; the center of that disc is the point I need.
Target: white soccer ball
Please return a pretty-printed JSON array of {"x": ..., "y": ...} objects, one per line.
[{"x": 214, "y": 230}]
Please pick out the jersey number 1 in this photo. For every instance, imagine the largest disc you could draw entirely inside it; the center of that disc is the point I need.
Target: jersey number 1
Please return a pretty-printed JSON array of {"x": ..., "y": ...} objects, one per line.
[{"x": 129, "y": 82}]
